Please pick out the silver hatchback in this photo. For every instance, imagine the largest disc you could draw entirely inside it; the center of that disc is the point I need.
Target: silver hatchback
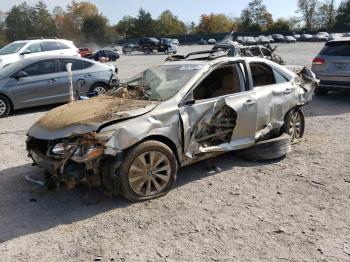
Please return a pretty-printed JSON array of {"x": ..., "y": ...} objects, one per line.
[
  {"x": 332, "y": 66},
  {"x": 44, "y": 80}
]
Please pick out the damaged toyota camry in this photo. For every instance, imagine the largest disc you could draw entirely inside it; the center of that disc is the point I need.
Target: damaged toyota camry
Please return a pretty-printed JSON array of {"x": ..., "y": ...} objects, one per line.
[{"x": 133, "y": 141}]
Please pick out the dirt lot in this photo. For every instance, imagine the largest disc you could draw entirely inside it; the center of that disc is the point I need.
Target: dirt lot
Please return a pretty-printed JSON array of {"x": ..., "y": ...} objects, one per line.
[{"x": 294, "y": 209}]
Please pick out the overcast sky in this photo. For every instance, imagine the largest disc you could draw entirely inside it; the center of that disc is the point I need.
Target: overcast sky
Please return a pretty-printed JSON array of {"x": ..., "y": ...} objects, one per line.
[{"x": 186, "y": 10}]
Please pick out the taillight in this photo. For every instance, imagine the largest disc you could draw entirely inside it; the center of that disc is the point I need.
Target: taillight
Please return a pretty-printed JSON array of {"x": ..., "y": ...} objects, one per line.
[
  {"x": 79, "y": 53},
  {"x": 318, "y": 61}
]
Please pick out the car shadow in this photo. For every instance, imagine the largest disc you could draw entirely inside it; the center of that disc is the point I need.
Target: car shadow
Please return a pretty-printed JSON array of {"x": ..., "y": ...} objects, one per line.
[
  {"x": 335, "y": 103},
  {"x": 27, "y": 209}
]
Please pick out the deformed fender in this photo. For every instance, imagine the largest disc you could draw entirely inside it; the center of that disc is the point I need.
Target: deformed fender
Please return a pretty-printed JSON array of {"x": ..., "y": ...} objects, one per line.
[
  {"x": 307, "y": 82},
  {"x": 132, "y": 131}
]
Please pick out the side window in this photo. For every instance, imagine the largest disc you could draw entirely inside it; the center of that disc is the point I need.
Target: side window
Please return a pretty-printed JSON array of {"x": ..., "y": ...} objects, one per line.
[
  {"x": 34, "y": 48},
  {"x": 220, "y": 82},
  {"x": 76, "y": 64},
  {"x": 262, "y": 74},
  {"x": 41, "y": 68},
  {"x": 87, "y": 64},
  {"x": 279, "y": 77},
  {"x": 50, "y": 46},
  {"x": 62, "y": 46},
  {"x": 266, "y": 52}
]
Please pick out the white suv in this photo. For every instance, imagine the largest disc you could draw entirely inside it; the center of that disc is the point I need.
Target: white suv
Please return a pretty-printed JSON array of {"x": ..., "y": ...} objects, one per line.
[{"x": 31, "y": 48}]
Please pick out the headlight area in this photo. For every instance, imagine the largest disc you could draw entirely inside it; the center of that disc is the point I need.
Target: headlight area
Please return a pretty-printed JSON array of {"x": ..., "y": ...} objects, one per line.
[{"x": 79, "y": 159}]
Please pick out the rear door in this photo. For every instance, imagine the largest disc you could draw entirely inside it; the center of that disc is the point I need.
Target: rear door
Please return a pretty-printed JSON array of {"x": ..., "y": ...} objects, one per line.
[
  {"x": 218, "y": 115},
  {"x": 40, "y": 87},
  {"x": 274, "y": 94},
  {"x": 78, "y": 73}
]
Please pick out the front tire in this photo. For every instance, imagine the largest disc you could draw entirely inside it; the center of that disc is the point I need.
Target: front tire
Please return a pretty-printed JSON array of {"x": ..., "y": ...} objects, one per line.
[
  {"x": 148, "y": 171},
  {"x": 5, "y": 106},
  {"x": 294, "y": 125},
  {"x": 99, "y": 88}
]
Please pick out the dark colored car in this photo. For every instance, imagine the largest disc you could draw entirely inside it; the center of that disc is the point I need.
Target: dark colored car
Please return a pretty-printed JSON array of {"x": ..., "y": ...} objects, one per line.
[
  {"x": 129, "y": 48},
  {"x": 151, "y": 44},
  {"x": 84, "y": 51},
  {"x": 97, "y": 56},
  {"x": 278, "y": 38}
]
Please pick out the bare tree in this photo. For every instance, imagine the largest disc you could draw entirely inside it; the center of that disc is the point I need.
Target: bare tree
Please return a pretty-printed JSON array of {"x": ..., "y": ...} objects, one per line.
[{"x": 308, "y": 9}]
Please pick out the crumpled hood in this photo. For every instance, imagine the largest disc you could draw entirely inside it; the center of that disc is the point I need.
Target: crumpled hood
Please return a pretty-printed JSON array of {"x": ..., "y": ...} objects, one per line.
[{"x": 87, "y": 116}]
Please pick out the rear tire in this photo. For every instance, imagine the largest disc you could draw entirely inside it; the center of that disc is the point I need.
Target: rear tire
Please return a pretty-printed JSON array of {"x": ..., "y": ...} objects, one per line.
[
  {"x": 148, "y": 171},
  {"x": 5, "y": 106},
  {"x": 294, "y": 125}
]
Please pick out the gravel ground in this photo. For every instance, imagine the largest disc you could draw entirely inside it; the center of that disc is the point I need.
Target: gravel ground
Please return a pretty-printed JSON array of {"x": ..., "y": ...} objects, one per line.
[{"x": 294, "y": 209}]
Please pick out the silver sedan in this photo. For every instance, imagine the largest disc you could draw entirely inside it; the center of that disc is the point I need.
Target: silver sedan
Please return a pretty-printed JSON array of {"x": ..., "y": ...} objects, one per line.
[
  {"x": 44, "y": 80},
  {"x": 169, "y": 116}
]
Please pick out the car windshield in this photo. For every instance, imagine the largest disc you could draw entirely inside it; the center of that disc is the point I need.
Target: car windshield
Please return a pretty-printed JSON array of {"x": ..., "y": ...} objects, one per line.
[
  {"x": 160, "y": 82},
  {"x": 11, "y": 48},
  {"x": 336, "y": 49}
]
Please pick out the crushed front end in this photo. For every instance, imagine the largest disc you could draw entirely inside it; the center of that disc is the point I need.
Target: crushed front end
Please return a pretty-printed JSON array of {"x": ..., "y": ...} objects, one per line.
[{"x": 71, "y": 161}]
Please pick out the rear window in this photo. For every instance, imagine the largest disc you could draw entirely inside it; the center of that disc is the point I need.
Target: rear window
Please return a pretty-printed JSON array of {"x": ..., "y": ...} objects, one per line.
[
  {"x": 62, "y": 46},
  {"x": 50, "y": 46},
  {"x": 76, "y": 64},
  {"x": 336, "y": 49}
]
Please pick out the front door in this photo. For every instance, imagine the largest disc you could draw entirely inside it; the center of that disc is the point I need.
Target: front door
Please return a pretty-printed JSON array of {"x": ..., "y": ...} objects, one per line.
[
  {"x": 219, "y": 115},
  {"x": 40, "y": 87}
]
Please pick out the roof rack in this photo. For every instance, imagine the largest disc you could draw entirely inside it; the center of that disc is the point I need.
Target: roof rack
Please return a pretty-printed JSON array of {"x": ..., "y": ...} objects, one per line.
[
  {"x": 210, "y": 55},
  {"x": 41, "y": 38}
]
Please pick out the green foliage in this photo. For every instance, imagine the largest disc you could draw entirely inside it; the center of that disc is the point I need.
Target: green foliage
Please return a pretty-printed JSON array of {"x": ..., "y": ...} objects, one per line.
[
  {"x": 343, "y": 18},
  {"x": 95, "y": 29},
  {"x": 169, "y": 24},
  {"x": 19, "y": 22},
  {"x": 215, "y": 23}
]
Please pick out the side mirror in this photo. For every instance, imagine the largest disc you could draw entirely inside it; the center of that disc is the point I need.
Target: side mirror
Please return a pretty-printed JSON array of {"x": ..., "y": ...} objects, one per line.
[
  {"x": 189, "y": 101},
  {"x": 20, "y": 74},
  {"x": 25, "y": 52}
]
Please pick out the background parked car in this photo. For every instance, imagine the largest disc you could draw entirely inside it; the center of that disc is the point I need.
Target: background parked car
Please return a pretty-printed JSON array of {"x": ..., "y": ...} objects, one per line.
[
  {"x": 278, "y": 38},
  {"x": 320, "y": 37},
  {"x": 249, "y": 40},
  {"x": 44, "y": 80},
  {"x": 202, "y": 42},
  {"x": 306, "y": 38},
  {"x": 262, "y": 40},
  {"x": 332, "y": 66},
  {"x": 176, "y": 42},
  {"x": 32, "y": 48},
  {"x": 100, "y": 54},
  {"x": 211, "y": 41},
  {"x": 289, "y": 39},
  {"x": 129, "y": 48},
  {"x": 297, "y": 37},
  {"x": 84, "y": 51}
]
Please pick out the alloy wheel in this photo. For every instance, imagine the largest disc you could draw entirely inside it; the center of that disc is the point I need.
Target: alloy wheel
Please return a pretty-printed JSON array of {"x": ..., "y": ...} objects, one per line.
[
  {"x": 295, "y": 126},
  {"x": 3, "y": 107},
  {"x": 100, "y": 90},
  {"x": 149, "y": 173}
]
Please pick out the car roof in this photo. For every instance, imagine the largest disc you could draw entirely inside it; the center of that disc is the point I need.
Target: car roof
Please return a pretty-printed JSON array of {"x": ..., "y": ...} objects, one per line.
[{"x": 343, "y": 39}]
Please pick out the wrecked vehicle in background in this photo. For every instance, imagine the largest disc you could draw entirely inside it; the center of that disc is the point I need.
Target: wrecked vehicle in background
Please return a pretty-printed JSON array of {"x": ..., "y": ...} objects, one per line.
[
  {"x": 133, "y": 141},
  {"x": 235, "y": 49}
]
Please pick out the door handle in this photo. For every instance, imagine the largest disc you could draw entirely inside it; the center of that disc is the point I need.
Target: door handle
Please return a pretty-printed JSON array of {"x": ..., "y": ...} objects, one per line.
[
  {"x": 88, "y": 75},
  {"x": 288, "y": 91},
  {"x": 52, "y": 80},
  {"x": 249, "y": 103}
]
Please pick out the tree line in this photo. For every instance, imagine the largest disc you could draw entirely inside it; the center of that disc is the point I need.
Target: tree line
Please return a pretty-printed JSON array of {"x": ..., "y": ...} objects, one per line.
[{"x": 82, "y": 22}]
